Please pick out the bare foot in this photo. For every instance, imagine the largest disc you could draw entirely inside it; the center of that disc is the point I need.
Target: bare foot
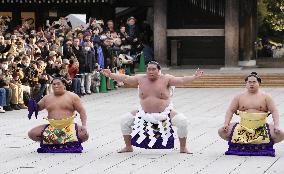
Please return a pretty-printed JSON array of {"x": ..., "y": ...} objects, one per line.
[
  {"x": 126, "y": 149},
  {"x": 185, "y": 150}
]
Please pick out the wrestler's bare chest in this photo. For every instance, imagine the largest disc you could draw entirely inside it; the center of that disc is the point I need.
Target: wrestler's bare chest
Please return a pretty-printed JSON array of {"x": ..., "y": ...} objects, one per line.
[
  {"x": 54, "y": 103},
  {"x": 158, "y": 88},
  {"x": 253, "y": 103}
]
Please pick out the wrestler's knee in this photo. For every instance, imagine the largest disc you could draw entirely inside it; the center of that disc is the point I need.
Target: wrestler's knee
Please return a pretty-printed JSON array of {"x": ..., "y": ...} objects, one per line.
[
  {"x": 126, "y": 122},
  {"x": 33, "y": 135},
  {"x": 222, "y": 133},
  {"x": 181, "y": 122}
]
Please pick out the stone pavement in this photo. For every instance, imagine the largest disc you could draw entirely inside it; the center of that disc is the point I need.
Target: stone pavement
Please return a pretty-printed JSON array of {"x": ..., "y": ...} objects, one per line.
[
  {"x": 233, "y": 71},
  {"x": 204, "y": 108}
]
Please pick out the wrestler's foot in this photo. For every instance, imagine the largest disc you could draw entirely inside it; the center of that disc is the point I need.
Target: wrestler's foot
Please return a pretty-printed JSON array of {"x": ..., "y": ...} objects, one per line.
[
  {"x": 185, "y": 150},
  {"x": 126, "y": 149}
]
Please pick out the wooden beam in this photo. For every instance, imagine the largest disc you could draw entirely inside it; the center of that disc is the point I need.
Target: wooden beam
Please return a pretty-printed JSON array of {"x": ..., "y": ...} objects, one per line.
[{"x": 195, "y": 32}]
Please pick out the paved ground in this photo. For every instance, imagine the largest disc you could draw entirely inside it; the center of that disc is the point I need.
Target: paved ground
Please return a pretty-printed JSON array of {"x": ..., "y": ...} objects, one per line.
[
  {"x": 204, "y": 108},
  {"x": 243, "y": 71}
]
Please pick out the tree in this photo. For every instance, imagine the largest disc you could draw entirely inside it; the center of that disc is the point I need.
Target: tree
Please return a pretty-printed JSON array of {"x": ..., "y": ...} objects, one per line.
[{"x": 275, "y": 14}]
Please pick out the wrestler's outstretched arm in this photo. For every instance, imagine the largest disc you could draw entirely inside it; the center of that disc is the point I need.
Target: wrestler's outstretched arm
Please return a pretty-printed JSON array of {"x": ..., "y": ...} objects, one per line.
[
  {"x": 274, "y": 111},
  {"x": 80, "y": 109},
  {"x": 131, "y": 80},
  {"x": 230, "y": 111},
  {"x": 177, "y": 81}
]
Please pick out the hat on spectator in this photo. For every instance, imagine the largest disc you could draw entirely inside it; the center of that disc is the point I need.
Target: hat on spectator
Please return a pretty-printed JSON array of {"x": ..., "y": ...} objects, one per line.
[
  {"x": 33, "y": 32},
  {"x": 13, "y": 37},
  {"x": 65, "y": 61},
  {"x": 52, "y": 53},
  {"x": 131, "y": 17},
  {"x": 103, "y": 37},
  {"x": 87, "y": 34},
  {"x": 7, "y": 36}
]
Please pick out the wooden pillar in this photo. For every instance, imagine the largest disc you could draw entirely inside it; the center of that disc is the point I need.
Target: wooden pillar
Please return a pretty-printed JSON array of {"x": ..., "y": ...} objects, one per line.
[
  {"x": 16, "y": 17},
  {"x": 248, "y": 16},
  {"x": 160, "y": 31},
  {"x": 254, "y": 28},
  {"x": 231, "y": 33}
]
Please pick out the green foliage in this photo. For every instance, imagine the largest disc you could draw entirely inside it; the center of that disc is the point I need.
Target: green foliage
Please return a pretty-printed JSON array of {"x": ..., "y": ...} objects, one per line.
[
  {"x": 261, "y": 12},
  {"x": 274, "y": 16}
]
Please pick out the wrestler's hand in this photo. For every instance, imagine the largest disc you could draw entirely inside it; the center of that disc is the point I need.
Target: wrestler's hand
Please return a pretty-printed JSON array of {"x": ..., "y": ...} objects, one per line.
[
  {"x": 226, "y": 127},
  {"x": 276, "y": 129},
  {"x": 106, "y": 72},
  {"x": 198, "y": 73},
  {"x": 84, "y": 129}
]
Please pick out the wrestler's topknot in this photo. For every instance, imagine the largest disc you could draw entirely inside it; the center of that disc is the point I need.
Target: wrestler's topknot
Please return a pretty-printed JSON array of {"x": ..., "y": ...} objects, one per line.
[
  {"x": 253, "y": 74},
  {"x": 155, "y": 63},
  {"x": 61, "y": 79}
]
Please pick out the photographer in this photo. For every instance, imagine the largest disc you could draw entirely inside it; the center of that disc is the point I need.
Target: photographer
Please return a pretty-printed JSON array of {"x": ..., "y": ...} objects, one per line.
[
  {"x": 25, "y": 68},
  {"x": 67, "y": 49},
  {"x": 73, "y": 70},
  {"x": 65, "y": 74},
  {"x": 132, "y": 31},
  {"x": 13, "y": 76},
  {"x": 5, "y": 77},
  {"x": 4, "y": 47},
  {"x": 42, "y": 80},
  {"x": 34, "y": 78},
  {"x": 79, "y": 53},
  {"x": 31, "y": 47}
]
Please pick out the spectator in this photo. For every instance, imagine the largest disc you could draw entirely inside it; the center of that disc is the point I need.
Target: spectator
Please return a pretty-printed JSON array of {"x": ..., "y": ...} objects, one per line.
[
  {"x": 73, "y": 70},
  {"x": 79, "y": 53},
  {"x": 4, "y": 83},
  {"x": 2, "y": 99},
  {"x": 91, "y": 60}
]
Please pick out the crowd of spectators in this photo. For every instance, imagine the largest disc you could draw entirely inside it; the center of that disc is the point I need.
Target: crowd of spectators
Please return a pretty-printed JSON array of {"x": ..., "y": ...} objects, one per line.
[{"x": 30, "y": 58}]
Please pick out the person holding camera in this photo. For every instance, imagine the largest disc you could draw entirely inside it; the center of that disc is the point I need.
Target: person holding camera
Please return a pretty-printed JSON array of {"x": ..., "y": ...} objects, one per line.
[
  {"x": 31, "y": 47},
  {"x": 81, "y": 58},
  {"x": 73, "y": 70},
  {"x": 25, "y": 68},
  {"x": 13, "y": 76},
  {"x": 4, "y": 47}
]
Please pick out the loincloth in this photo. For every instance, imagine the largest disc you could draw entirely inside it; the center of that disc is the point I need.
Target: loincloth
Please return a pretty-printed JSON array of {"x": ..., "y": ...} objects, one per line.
[
  {"x": 60, "y": 136},
  {"x": 251, "y": 136},
  {"x": 153, "y": 130}
]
